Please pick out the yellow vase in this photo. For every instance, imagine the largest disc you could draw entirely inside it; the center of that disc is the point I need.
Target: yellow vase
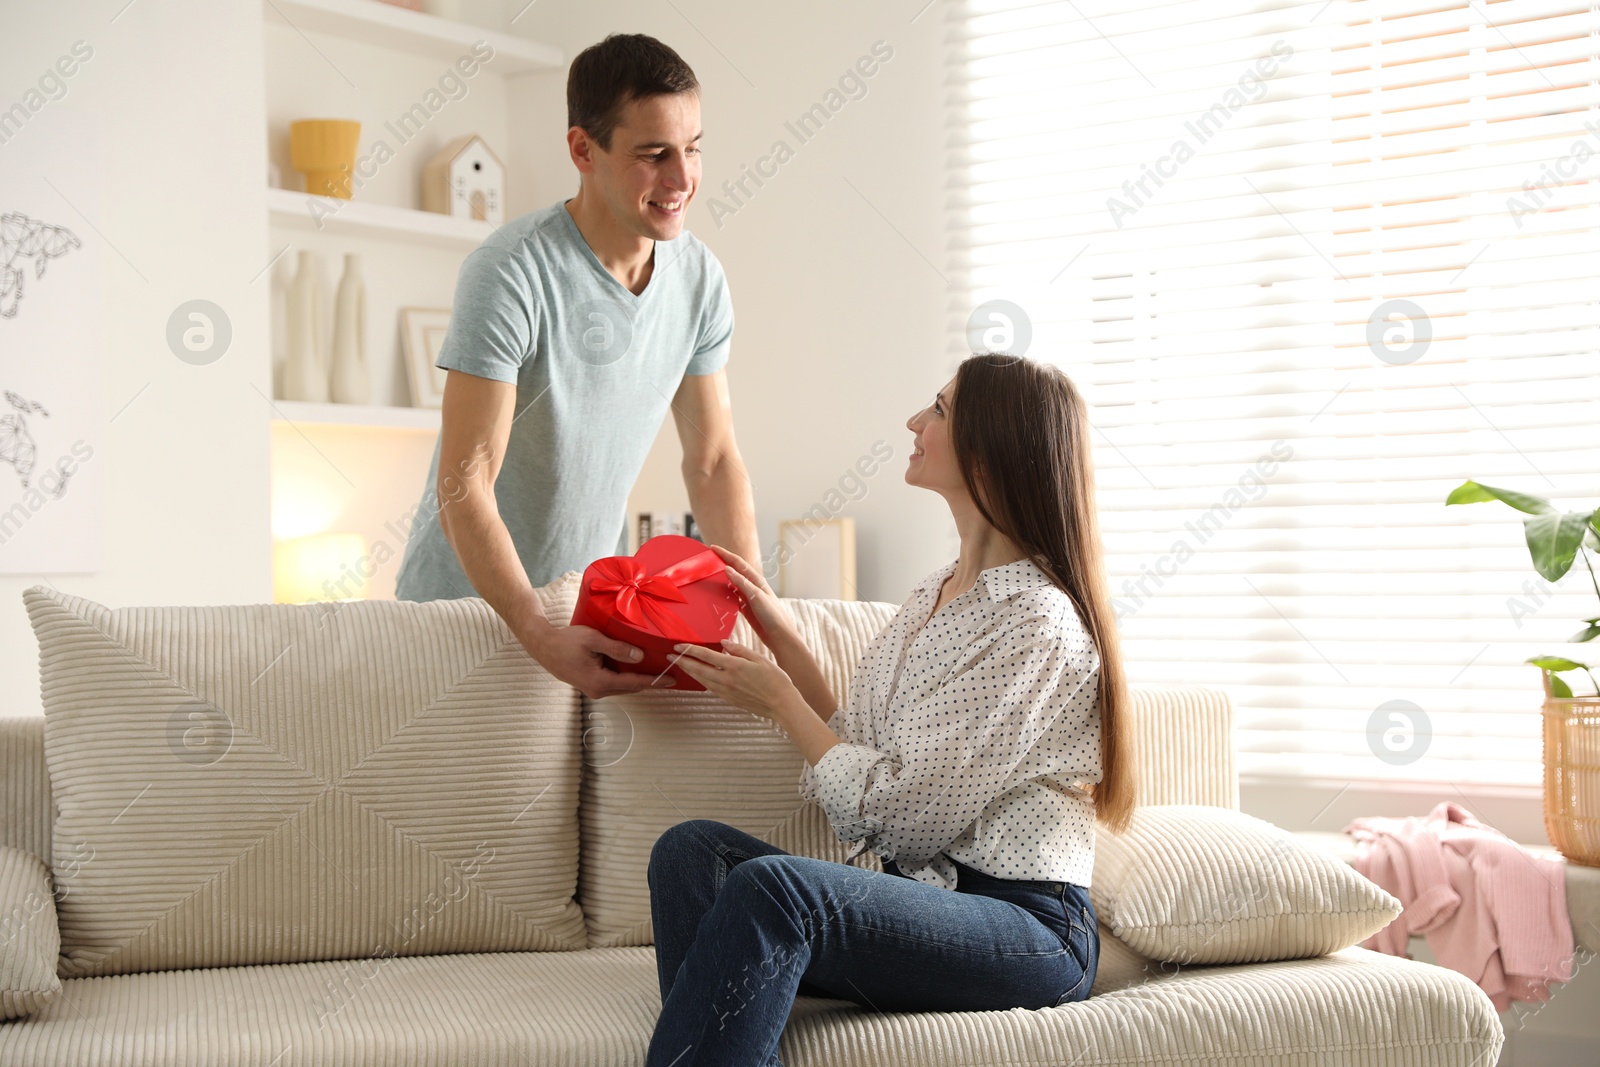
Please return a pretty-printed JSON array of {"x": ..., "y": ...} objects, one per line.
[{"x": 324, "y": 150}]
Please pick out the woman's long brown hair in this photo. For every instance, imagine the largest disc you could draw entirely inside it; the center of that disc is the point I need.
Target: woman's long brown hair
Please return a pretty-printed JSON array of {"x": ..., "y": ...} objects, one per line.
[{"x": 1020, "y": 428}]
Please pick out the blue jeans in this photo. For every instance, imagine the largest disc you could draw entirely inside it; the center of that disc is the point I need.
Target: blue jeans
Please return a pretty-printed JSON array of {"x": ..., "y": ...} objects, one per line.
[{"x": 741, "y": 927}]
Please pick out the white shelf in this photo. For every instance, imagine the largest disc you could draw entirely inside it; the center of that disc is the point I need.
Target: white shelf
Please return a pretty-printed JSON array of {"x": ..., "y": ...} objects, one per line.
[
  {"x": 331, "y": 214},
  {"x": 415, "y": 32},
  {"x": 301, "y": 411}
]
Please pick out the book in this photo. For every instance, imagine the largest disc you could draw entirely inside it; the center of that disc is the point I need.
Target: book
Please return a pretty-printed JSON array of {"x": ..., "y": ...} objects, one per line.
[{"x": 650, "y": 524}]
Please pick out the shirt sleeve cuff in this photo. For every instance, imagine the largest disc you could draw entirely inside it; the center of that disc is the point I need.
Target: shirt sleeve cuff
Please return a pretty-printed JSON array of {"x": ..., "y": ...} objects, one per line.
[
  {"x": 495, "y": 371},
  {"x": 841, "y": 779},
  {"x": 708, "y": 362},
  {"x": 808, "y": 782}
]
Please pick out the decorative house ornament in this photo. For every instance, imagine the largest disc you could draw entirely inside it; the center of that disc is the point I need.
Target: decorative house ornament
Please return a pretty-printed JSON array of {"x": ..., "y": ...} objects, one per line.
[{"x": 465, "y": 180}]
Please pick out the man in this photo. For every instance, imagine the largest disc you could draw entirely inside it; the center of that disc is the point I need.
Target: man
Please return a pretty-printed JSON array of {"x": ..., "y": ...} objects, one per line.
[{"x": 573, "y": 329}]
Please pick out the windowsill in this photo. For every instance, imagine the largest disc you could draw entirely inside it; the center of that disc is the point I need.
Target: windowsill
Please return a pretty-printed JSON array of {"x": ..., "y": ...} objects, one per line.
[
  {"x": 1330, "y": 805},
  {"x": 1407, "y": 787}
]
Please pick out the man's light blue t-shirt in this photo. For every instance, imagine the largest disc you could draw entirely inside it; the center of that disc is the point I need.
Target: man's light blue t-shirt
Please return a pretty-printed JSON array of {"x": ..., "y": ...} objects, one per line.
[{"x": 595, "y": 369}]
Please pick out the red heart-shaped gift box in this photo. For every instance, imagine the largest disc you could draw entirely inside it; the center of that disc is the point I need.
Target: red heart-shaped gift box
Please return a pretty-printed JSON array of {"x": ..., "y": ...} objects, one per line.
[{"x": 673, "y": 590}]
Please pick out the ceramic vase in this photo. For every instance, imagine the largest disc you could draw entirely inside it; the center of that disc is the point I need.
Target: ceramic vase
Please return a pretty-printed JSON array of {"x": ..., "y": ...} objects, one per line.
[
  {"x": 350, "y": 383},
  {"x": 305, "y": 371}
]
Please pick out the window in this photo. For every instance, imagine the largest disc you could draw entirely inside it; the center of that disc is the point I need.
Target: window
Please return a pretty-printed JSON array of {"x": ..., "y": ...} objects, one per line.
[{"x": 1313, "y": 265}]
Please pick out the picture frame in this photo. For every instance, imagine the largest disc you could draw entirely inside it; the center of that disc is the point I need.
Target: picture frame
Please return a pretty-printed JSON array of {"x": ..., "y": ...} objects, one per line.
[
  {"x": 817, "y": 558},
  {"x": 422, "y": 333}
]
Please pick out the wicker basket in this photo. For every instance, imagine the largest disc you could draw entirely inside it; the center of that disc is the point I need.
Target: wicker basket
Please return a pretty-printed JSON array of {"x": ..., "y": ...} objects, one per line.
[{"x": 1572, "y": 775}]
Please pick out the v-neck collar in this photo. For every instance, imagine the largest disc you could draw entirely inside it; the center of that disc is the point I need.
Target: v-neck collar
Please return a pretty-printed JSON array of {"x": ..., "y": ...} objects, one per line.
[
  {"x": 937, "y": 584},
  {"x": 910, "y": 639},
  {"x": 622, "y": 291},
  {"x": 999, "y": 582}
]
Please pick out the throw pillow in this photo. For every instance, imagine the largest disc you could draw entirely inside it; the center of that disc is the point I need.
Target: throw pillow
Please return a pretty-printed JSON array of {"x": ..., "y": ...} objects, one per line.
[
  {"x": 29, "y": 939},
  {"x": 1193, "y": 884},
  {"x": 272, "y": 783}
]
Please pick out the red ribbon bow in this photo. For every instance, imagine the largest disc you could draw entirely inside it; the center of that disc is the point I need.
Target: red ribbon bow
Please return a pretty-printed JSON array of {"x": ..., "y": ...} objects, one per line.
[{"x": 622, "y": 586}]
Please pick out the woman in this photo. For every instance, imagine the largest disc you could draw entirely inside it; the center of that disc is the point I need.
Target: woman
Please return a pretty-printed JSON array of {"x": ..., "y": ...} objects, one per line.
[{"x": 985, "y": 732}]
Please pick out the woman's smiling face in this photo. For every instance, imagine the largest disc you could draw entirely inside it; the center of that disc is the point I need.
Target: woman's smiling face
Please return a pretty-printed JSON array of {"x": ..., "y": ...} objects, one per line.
[{"x": 933, "y": 464}]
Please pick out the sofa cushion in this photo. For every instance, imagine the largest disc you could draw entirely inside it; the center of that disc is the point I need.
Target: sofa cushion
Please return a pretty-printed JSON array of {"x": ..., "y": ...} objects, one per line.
[
  {"x": 29, "y": 939},
  {"x": 653, "y": 759},
  {"x": 599, "y": 1008},
  {"x": 272, "y": 782},
  {"x": 1194, "y": 884}
]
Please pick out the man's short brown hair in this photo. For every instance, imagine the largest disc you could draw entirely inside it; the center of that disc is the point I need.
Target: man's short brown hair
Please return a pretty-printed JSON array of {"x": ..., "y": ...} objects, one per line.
[{"x": 623, "y": 67}]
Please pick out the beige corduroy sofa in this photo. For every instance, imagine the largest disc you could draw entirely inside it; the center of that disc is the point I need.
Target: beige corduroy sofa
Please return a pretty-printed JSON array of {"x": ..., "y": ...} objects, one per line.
[{"x": 378, "y": 833}]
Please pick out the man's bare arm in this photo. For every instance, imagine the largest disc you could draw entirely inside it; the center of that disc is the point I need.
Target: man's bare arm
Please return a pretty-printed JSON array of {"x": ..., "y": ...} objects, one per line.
[
  {"x": 713, "y": 471},
  {"x": 475, "y": 426}
]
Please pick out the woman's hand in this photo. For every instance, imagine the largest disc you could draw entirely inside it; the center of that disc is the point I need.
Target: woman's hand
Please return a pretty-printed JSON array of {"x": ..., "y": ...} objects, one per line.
[
  {"x": 768, "y": 617},
  {"x": 742, "y": 677},
  {"x": 772, "y": 623}
]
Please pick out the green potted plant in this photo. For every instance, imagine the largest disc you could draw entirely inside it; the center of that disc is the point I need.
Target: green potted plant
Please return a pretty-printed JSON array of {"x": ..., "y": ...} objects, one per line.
[{"x": 1556, "y": 540}]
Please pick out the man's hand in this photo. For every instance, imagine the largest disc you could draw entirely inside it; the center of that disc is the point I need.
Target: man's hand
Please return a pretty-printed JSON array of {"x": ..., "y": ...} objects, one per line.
[{"x": 572, "y": 654}]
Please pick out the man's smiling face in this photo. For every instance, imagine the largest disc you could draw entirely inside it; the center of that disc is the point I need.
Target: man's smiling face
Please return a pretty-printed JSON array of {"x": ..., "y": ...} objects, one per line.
[{"x": 652, "y": 169}]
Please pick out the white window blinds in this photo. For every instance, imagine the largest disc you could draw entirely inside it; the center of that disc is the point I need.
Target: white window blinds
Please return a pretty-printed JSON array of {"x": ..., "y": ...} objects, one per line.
[{"x": 1313, "y": 265}]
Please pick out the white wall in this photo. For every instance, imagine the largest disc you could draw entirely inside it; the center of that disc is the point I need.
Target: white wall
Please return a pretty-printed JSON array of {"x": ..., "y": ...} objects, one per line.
[{"x": 176, "y": 91}]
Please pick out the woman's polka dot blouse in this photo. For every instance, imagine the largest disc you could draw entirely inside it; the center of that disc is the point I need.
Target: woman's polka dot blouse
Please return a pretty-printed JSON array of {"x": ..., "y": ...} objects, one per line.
[{"x": 968, "y": 735}]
